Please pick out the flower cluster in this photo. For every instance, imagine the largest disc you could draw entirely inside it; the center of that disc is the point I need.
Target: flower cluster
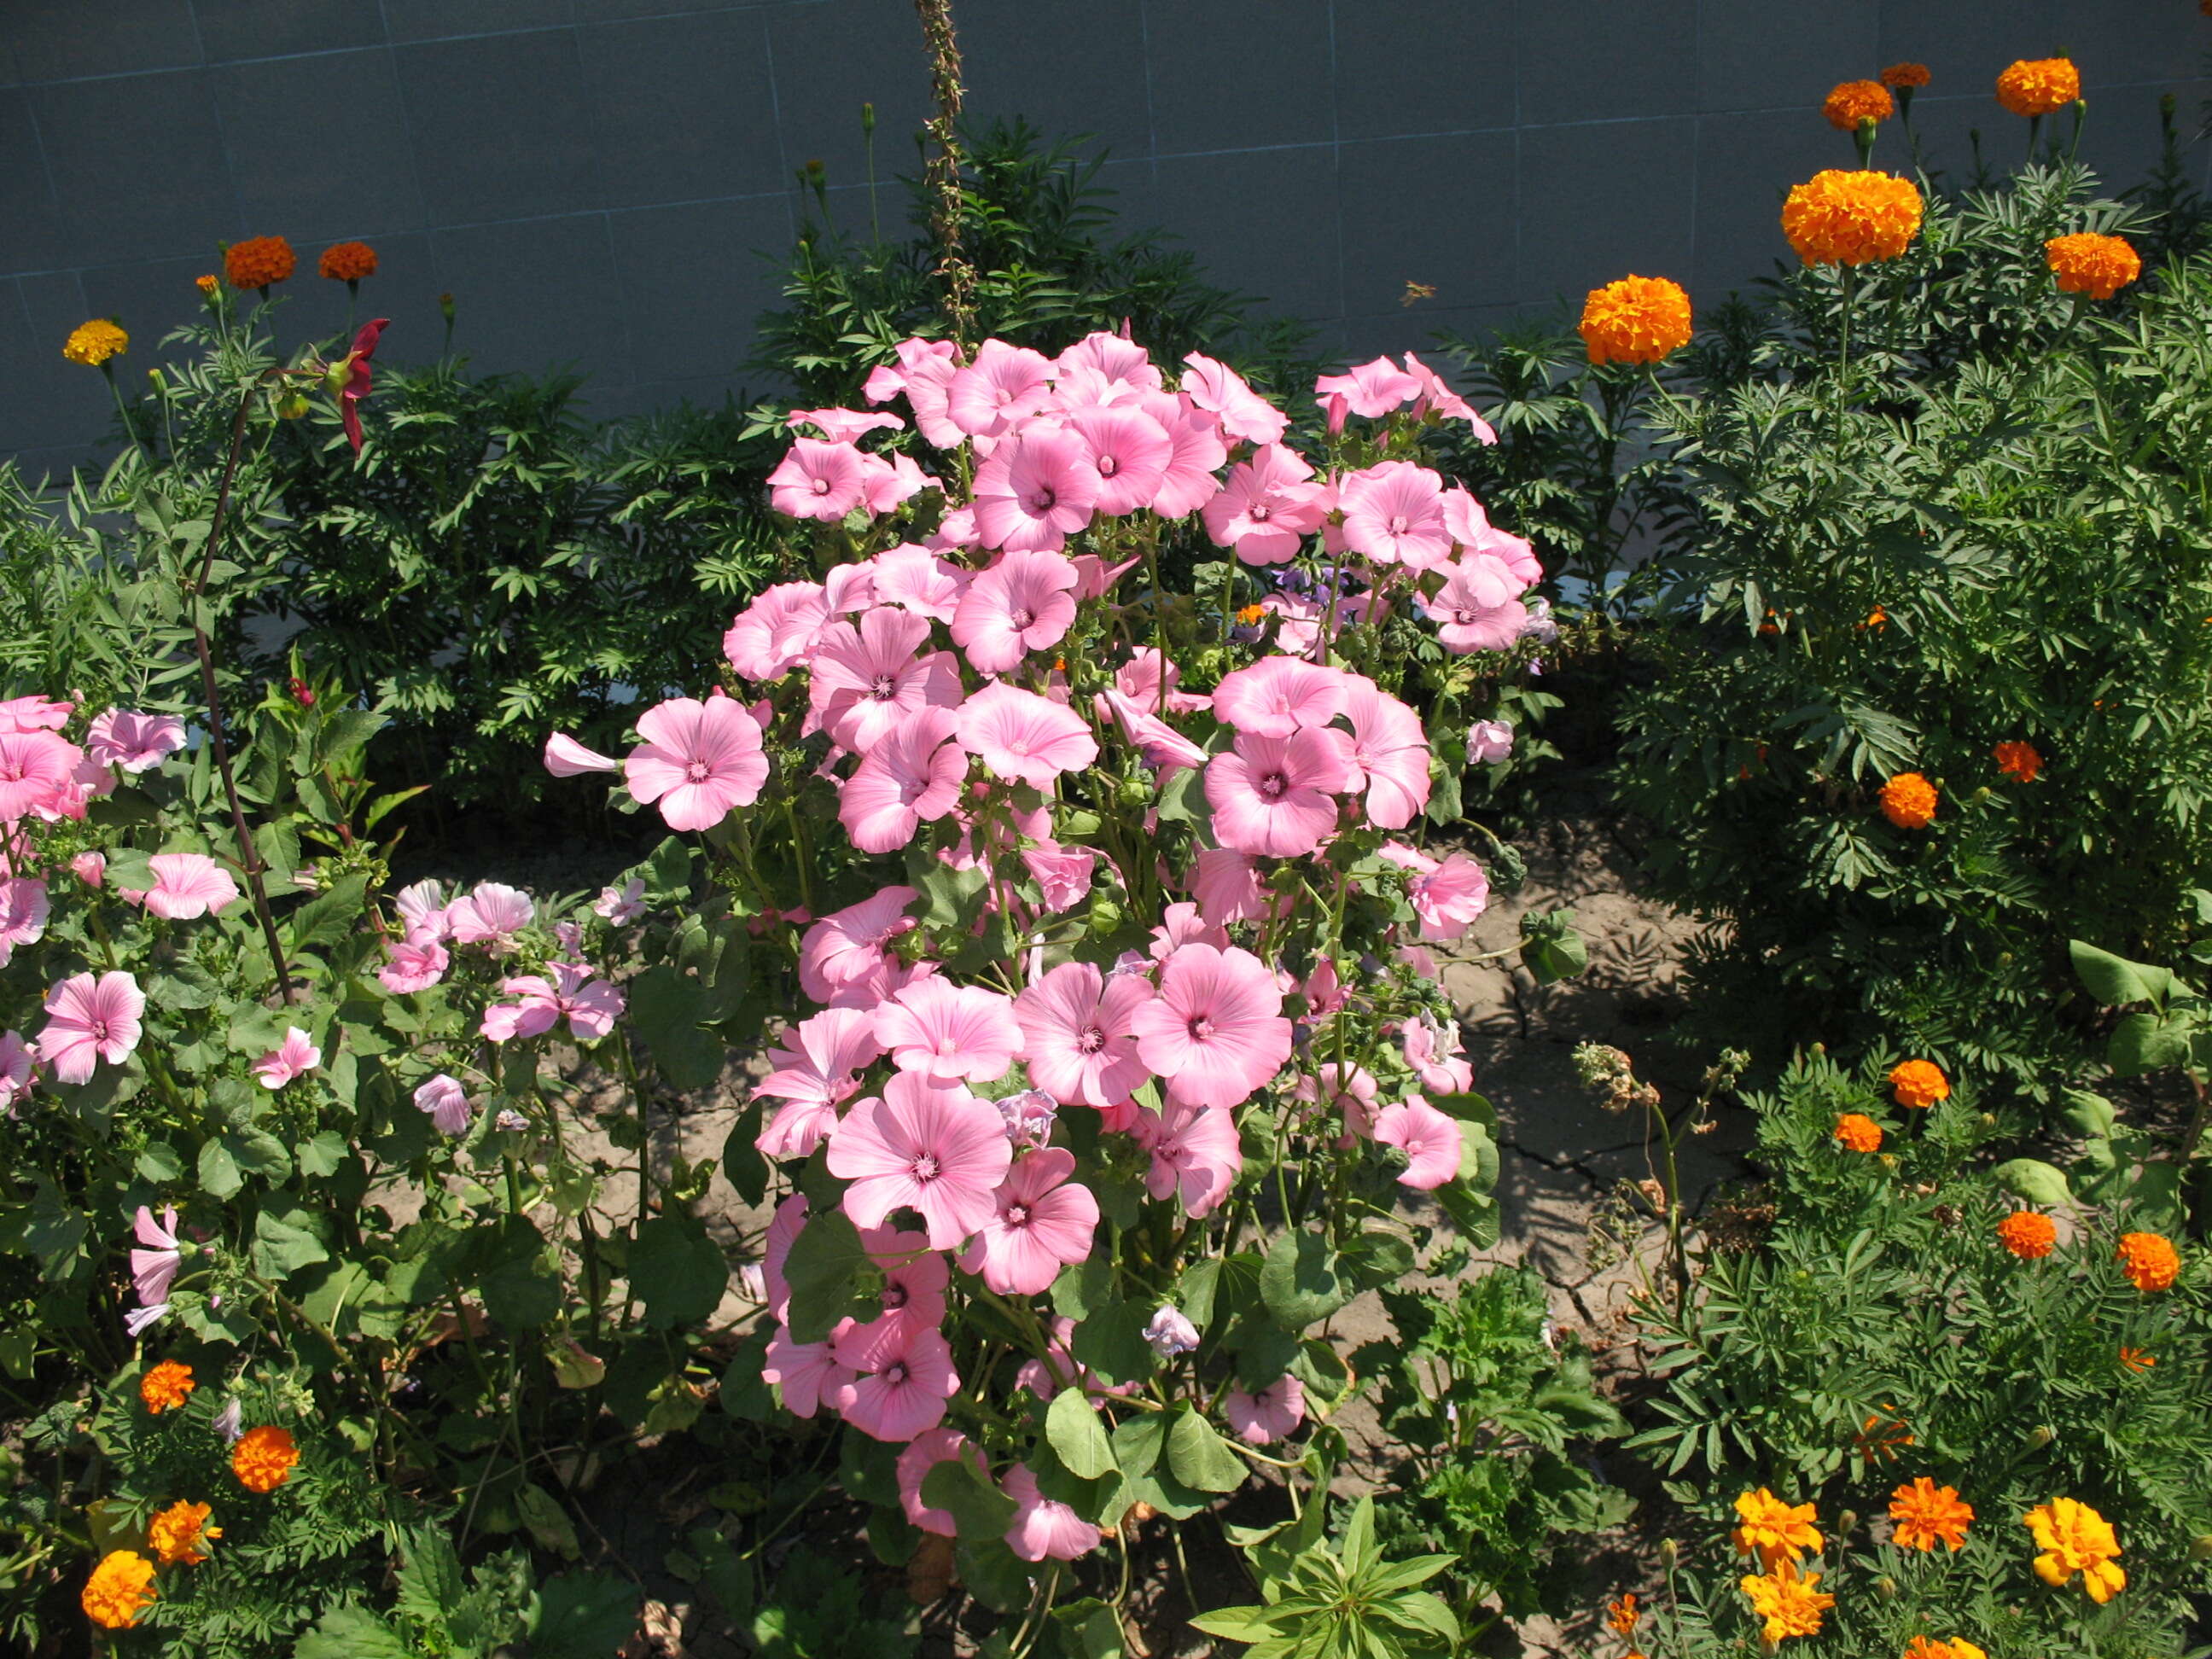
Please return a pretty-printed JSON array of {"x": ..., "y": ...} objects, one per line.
[
  {"x": 93, "y": 342},
  {"x": 2086, "y": 263},
  {"x": 1854, "y": 101},
  {"x": 1852, "y": 218},
  {"x": 258, "y": 262},
  {"x": 1638, "y": 319},
  {"x": 2038, "y": 86}
]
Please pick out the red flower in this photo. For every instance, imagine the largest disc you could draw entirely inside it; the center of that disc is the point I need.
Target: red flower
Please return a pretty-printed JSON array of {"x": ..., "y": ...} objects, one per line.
[{"x": 354, "y": 366}]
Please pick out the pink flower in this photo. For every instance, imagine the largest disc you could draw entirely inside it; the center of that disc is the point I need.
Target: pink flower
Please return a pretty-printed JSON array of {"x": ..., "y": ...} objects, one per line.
[
  {"x": 1350, "y": 1089},
  {"x": 1113, "y": 358},
  {"x": 1489, "y": 741},
  {"x": 931, "y": 1447},
  {"x": 1023, "y": 738},
  {"x": 845, "y": 948},
  {"x": 23, "y": 910},
  {"x": 90, "y": 1020},
  {"x": 1448, "y": 896},
  {"x": 1324, "y": 991},
  {"x": 807, "y": 1373},
  {"x": 1023, "y": 603},
  {"x": 1372, "y": 389},
  {"x": 1475, "y": 609},
  {"x": 14, "y": 1070},
  {"x": 1471, "y": 528},
  {"x": 843, "y": 426},
  {"x": 90, "y": 868},
  {"x": 413, "y": 965},
  {"x": 914, "y": 1277},
  {"x": 491, "y": 916},
  {"x": 1043, "y": 1222},
  {"x": 912, "y": 777},
  {"x": 1170, "y": 1334},
  {"x": 1435, "y": 1056},
  {"x": 1276, "y": 696},
  {"x": 1004, "y": 387},
  {"x": 186, "y": 885},
  {"x": 817, "y": 1065},
  {"x": 784, "y": 1228},
  {"x": 34, "y": 714},
  {"x": 1182, "y": 924},
  {"x": 1276, "y": 796},
  {"x": 866, "y": 679},
  {"x": 947, "y": 1031},
  {"x": 448, "y": 1104},
  {"x": 1195, "y": 453},
  {"x": 37, "y": 772},
  {"x": 1268, "y": 1415},
  {"x": 134, "y": 741},
  {"x": 818, "y": 480},
  {"x": 1128, "y": 450},
  {"x": 1078, "y": 1033},
  {"x": 1429, "y": 1139},
  {"x": 905, "y": 1376},
  {"x": 698, "y": 760},
  {"x": 154, "y": 1268},
  {"x": 1215, "y": 1031},
  {"x": 1243, "y": 412},
  {"x": 621, "y": 905},
  {"x": 1440, "y": 399},
  {"x": 1195, "y": 1153},
  {"x": 1266, "y": 509},
  {"x": 1394, "y": 514},
  {"x": 916, "y": 579},
  {"x": 775, "y": 633},
  {"x": 927, "y": 1145},
  {"x": 1390, "y": 754},
  {"x": 1043, "y": 1527},
  {"x": 925, "y": 368},
  {"x": 1035, "y": 489},
  {"x": 590, "y": 1005},
  {"x": 1138, "y": 680},
  {"x": 1228, "y": 888},
  {"x": 293, "y": 1057},
  {"x": 1062, "y": 874},
  {"x": 565, "y": 757},
  {"x": 888, "y": 481},
  {"x": 422, "y": 911},
  {"x": 1159, "y": 744}
]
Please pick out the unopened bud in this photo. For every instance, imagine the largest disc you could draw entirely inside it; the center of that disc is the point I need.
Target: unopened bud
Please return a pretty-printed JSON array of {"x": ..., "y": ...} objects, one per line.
[
  {"x": 154, "y": 379},
  {"x": 1846, "y": 1521},
  {"x": 292, "y": 406},
  {"x": 1887, "y": 1585},
  {"x": 335, "y": 375},
  {"x": 1668, "y": 1553},
  {"x": 445, "y": 306},
  {"x": 1105, "y": 917},
  {"x": 2039, "y": 1436},
  {"x": 2200, "y": 1547},
  {"x": 1988, "y": 1120},
  {"x": 868, "y": 115}
]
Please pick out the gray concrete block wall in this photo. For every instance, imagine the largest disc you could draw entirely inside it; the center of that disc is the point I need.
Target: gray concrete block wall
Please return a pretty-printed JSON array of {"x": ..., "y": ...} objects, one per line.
[{"x": 609, "y": 183}]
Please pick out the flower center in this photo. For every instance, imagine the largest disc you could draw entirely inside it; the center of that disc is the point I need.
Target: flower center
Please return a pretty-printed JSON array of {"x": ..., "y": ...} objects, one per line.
[
  {"x": 1108, "y": 466},
  {"x": 98, "y": 1028},
  {"x": 698, "y": 771},
  {"x": 1041, "y": 498},
  {"x": 1464, "y": 618},
  {"x": 1022, "y": 616},
  {"x": 924, "y": 1167},
  {"x": 894, "y": 1297},
  {"x": 1201, "y": 1028},
  {"x": 896, "y": 1372},
  {"x": 883, "y": 687},
  {"x": 820, "y": 486},
  {"x": 1259, "y": 513},
  {"x": 1272, "y": 786},
  {"x": 1090, "y": 1040},
  {"x": 1016, "y": 1215},
  {"x": 1398, "y": 524}
]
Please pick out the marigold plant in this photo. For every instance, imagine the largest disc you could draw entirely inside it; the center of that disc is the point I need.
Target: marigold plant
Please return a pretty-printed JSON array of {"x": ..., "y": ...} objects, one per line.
[
  {"x": 258, "y": 262},
  {"x": 1899, "y": 76},
  {"x": 1918, "y": 1084},
  {"x": 166, "y": 1386},
  {"x": 1772, "y": 1530},
  {"x": 1908, "y": 800},
  {"x": 93, "y": 342},
  {"x": 2149, "y": 1260},
  {"x": 2032, "y": 87},
  {"x": 1852, "y": 218},
  {"x": 177, "y": 1534},
  {"x": 2073, "y": 1538},
  {"x": 1928, "y": 1515},
  {"x": 1635, "y": 319},
  {"x": 120, "y": 1589},
  {"x": 2086, "y": 263},
  {"x": 2018, "y": 761},
  {"x": 1856, "y": 1132},
  {"x": 1787, "y": 1601},
  {"x": 2028, "y": 1234},
  {"x": 1854, "y": 101},
  {"x": 263, "y": 1458}
]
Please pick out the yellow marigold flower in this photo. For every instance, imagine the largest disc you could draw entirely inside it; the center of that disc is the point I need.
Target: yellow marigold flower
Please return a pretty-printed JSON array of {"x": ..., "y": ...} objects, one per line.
[
  {"x": 263, "y": 1458},
  {"x": 1918, "y": 1084},
  {"x": 1905, "y": 74},
  {"x": 1854, "y": 101},
  {"x": 1927, "y": 1647},
  {"x": 1621, "y": 1614},
  {"x": 2028, "y": 1234},
  {"x": 1928, "y": 1515},
  {"x": 2037, "y": 85},
  {"x": 1962, "y": 1649},
  {"x": 2086, "y": 263},
  {"x": 120, "y": 1589},
  {"x": 1638, "y": 319},
  {"x": 2074, "y": 1538},
  {"x": 93, "y": 342},
  {"x": 2137, "y": 1359},
  {"x": 1787, "y": 1601},
  {"x": 166, "y": 1386},
  {"x": 1852, "y": 218},
  {"x": 176, "y": 1533},
  {"x": 2150, "y": 1263},
  {"x": 347, "y": 262},
  {"x": 2018, "y": 760},
  {"x": 1908, "y": 800},
  {"x": 1773, "y": 1530},
  {"x": 1857, "y": 1133},
  {"x": 207, "y": 284},
  {"x": 259, "y": 261}
]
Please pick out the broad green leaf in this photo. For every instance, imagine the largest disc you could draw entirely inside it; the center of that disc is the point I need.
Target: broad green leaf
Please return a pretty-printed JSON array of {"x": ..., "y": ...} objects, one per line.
[
  {"x": 678, "y": 1272},
  {"x": 2034, "y": 1180},
  {"x": 825, "y": 1271},
  {"x": 978, "y": 1508},
  {"x": 548, "y": 1522},
  {"x": 581, "y": 1615},
  {"x": 2114, "y": 981},
  {"x": 2151, "y": 1043},
  {"x": 1302, "y": 1280},
  {"x": 282, "y": 1245},
  {"x": 1072, "y": 1426},
  {"x": 1197, "y": 1457},
  {"x": 665, "y": 1007}
]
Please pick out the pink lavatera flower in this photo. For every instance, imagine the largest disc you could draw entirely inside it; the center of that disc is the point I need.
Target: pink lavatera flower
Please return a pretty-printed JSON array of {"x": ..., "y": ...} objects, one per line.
[
  {"x": 1185, "y": 924},
  {"x": 1262, "y": 1418},
  {"x": 1324, "y": 991},
  {"x": 1429, "y": 1139},
  {"x": 1435, "y": 1056},
  {"x": 1449, "y": 894},
  {"x": 889, "y": 482},
  {"x": 493, "y": 915},
  {"x": 1267, "y": 508},
  {"x": 1195, "y": 1152},
  {"x": 565, "y": 757},
  {"x": 1002, "y": 388},
  {"x": 1394, "y": 514},
  {"x": 293, "y": 1058},
  {"x": 1469, "y": 613},
  {"x": 1372, "y": 389},
  {"x": 186, "y": 886},
  {"x": 915, "y": 1281},
  {"x": 24, "y": 908},
  {"x": 1043, "y": 1222},
  {"x": 590, "y": 1004},
  {"x": 155, "y": 1262},
  {"x": 1215, "y": 1030},
  {"x": 1036, "y": 489},
  {"x": 1244, "y": 415},
  {"x": 783, "y": 1229},
  {"x": 1276, "y": 797},
  {"x": 16, "y": 1065},
  {"x": 698, "y": 761},
  {"x": 34, "y": 714},
  {"x": 1128, "y": 450},
  {"x": 819, "y": 480},
  {"x": 1277, "y": 695},
  {"x": 1390, "y": 754},
  {"x": 945, "y": 1031},
  {"x": 807, "y": 1373},
  {"x": 868, "y": 678},
  {"x": 1227, "y": 885},
  {"x": 924, "y": 371},
  {"x": 446, "y": 1103},
  {"x": 1115, "y": 358},
  {"x": 910, "y": 777},
  {"x": 844, "y": 425},
  {"x": 778, "y": 630},
  {"x": 622, "y": 905},
  {"x": 37, "y": 774},
  {"x": 1023, "y": 738},
  {"x": 817, "y": 1066},
  {"x": 918, "y": 581},
  {"x": 929, "y": 1449},
  {"x": 1023, "y": 603},
  {"x": 1348, "y": 1090},
  {"x": 1078, "y": 1036},
  {"x": 1438, "y": 397},
  {"x": 1063, "y": 874},
  {"x": 1138, "y": 680},
  {"x": 1489, "y": 742},
  {"x": 903, "y": 1375},
  {"x": 1043, "y": 1528},
  {"x": 134, "y": 741},
  {"x": 1159, "y": 744},
  {"x": 846, "y": 947},
  {"x": 89, "y": 1020},
  {"x": 90, "y": 868},
  {"x": 413, "y": 964},
  {"x": 1471, "y": 528},
  {"x": 925, "y": 1144},
  {"x": 1196, "y": 455}
]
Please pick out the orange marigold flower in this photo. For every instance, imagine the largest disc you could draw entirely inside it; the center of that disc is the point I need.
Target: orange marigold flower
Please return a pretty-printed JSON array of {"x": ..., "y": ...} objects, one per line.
[
  {"x": 2137, "y": 1359},
  {"x": 2037, "y": 85},
  {"x": 1251, "y": 615},
  {"x": 1638, "y": 319},
  {"x": 177, "y": 1533},
  {"x": 120, "y": 1589},
  {"x": 1857, "y": 1133},
  {"x": 347, "y": 262},
  {"x": 1773, "y": 1530},
  {"x": 1905, "y": 74},
  {"x": 263, "y": 1458},
  {"x": 1928, "y": 1515},
  {"x": 93, "y": 342},
  {"x": 166, "y": 1386},
  {"x": 2018, "y": 760},
  {"x": 1927, "y": 1647},
  {"x": 1877, "y": 619},
  {"x": 1918, "y": 1083},
  {"x": 2150, "y": 1263},
  {"x": 259, "y": 261},
  {"x": 1908, "y": 800},
  {"x": 1883, "y": 1436},
  {"x": 1787, "y": 1601},
  {"x": 2028, "y": 1234},
  {"x": 2074, "y": 1538},
  {"x": 206, "y": 284},
  {"x": 1621, "y": 1614},
  {"x": 2086, "y": 263},
  {"x": 1852, "y": 218},
  {"x": 1854, "y": 101}
]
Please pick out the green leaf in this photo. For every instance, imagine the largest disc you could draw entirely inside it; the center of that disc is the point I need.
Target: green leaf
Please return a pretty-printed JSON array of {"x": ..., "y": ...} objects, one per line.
[
  {"x": 1197, "y": 1457},
  {"x": 1138, "y": 1440},
  {"x": 284, "y": 1245},
  {"x": 322, "y": 1156},
  {"x": 665, "y": 1007},
  {"x": 978, "y": 1508},
  {"x": 1072, "y": 1425},
  {"x": 549, "y": 1523},
  {"x": 581, "y": 1615},
  {"x": 520, "y": 1290},
  {"x": 677, "y": 1271},
  {"x": 346, "y": 1632},
  {"x": 1302, "y": 1281},
  {"x": 327, "y": 918},
  {"x": 2114, "y": 981},
  {"x": 2034, "y": 1180},
  {"x": 1551, "y": 948},
  {"x": 1111, "y": 1343},
  {"x": 825, "y": 1271},
  {"x": 2087, "y": 1114},
  {"x": 2151, "y": 1043}
]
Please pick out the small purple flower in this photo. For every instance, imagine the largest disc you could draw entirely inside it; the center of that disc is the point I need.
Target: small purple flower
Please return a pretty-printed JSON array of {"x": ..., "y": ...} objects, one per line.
[
  {"x": 446, "y": 1103},
  {"x": 622, "y": 904},
  {"x": 510, "y": 1119},
  {"x": 230, "y": 1421},
  {"x": 1030, "y": 1116},
  {"x": 1170, "y": 1334}
]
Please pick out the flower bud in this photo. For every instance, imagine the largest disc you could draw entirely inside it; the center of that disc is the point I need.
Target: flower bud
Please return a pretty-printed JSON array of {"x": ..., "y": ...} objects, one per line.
[
  {"x": 445, "y": 306},
  {"x": 1845, "y": 1522},
  {"x": 2039, "y": 1436},
  {"x": 1887, "y": 1586},
  {"x": 2200, "y": 1547},
  {"x": 868, "y": 115},
  {"x": 1105, "y": 916},
  {"x": 291, "y": 406},
  {"x": 1668, "y": 1553}
]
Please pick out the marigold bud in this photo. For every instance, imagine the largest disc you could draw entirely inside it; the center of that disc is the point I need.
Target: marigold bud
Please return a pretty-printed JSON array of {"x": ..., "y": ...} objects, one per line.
[
  {"x": 2039, "y": 1436},
  {"x": 2200, "y": 1547},
  {"x": 1668, "y": 1553}
]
